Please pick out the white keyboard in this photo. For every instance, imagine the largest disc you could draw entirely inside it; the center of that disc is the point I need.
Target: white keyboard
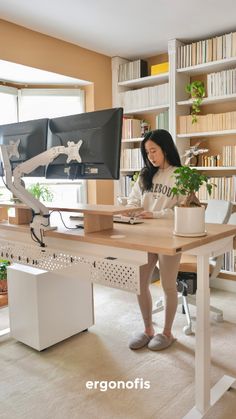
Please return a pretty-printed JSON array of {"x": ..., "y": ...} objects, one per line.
[
  {"x": 116, "y": 218},
  {"x": 125, "y": 219}
]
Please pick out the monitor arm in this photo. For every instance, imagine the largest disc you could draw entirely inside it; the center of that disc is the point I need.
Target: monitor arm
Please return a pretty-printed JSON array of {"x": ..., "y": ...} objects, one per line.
[{"x": 40, "y": 221}]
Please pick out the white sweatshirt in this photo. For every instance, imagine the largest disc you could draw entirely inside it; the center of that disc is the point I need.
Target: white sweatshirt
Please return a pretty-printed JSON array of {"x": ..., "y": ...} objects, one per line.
[{"x": 159, "y": 200}]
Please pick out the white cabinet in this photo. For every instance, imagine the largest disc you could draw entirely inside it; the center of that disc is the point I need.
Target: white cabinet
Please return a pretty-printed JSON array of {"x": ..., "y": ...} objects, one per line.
[{"x": 45, "y": 307}]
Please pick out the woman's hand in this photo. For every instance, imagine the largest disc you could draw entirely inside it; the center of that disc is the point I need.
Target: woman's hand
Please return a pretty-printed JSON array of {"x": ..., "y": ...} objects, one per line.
[{"x": 145, "y": 214}]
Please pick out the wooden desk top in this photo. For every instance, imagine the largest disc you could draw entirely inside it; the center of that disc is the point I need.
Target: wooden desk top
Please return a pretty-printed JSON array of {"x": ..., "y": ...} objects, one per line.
[
  {"x": 84, "y": 208},
  {"x": 154, "y": 236}
]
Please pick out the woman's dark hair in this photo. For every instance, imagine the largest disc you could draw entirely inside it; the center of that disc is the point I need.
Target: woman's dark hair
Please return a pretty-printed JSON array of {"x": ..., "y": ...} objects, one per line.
[{"x": 165, "y": 141}]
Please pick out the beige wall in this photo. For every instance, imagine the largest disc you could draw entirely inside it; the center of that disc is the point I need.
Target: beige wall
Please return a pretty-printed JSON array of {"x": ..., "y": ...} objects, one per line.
[{"x": 24, "y": 46}]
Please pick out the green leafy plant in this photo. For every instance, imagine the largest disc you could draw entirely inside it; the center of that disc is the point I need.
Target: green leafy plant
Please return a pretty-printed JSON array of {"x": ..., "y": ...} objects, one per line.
[
  {"x": 197, "y": 91},
  {"x": 40, "y": 192},
  {"x": 134, "y": 178},
  {"x": 187, "y": 182},
  {"x": 3, "y": 275}
]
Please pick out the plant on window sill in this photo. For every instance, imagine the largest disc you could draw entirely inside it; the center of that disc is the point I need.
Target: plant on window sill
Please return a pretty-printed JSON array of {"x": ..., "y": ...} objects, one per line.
[{"x": 40, "y": 192}]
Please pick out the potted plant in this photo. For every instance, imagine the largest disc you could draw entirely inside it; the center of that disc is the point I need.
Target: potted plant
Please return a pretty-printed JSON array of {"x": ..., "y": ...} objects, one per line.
[
  {"x": 3, "y": 276},
  {"x": 40, "y": 192},
  {"x": 190, "y": 215},
  {"x": 197, "y": 91}
]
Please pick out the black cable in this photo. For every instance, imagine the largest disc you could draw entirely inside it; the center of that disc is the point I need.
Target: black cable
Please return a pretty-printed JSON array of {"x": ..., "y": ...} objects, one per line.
[
  {"x": 33, "y": 236},
  {"x": 68, "y": 228}
]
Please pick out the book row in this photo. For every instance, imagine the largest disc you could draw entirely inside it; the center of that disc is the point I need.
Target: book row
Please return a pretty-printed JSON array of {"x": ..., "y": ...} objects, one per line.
[
  {"x": 125, "y": 185},
  {"x": 228, "y": 158},
  {"x": 134, "y": 128},
  {"x": 224, "y": 188},
  {"x": 207, "y": 50},
  {"x": 221, "y": 83},
  {"x": 229, "y": 155},
  {"x": 131, "y": 128},
  {"x": 206, "y": 123},
  {"x": 132, "y": 70},
  {"x": 162, "y": 120},
  {"x": 131, "y": 158},
  {"x": 229, "y": 261},
  {"x": 210, "y": 161},
  {"x": 145, "y": 98}
]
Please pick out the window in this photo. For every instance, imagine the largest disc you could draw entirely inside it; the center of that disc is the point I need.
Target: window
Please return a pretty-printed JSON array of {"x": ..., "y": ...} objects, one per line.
[
  {"x": 8, "y": 105},
  {"x": 26, "y": 104},
  {"x": 49, "y": 103}
]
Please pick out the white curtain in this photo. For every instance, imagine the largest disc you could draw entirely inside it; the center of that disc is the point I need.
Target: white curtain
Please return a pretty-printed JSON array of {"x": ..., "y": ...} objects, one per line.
[
  {"x": 8, "y": 105},
  {"x": 49, "y": 103}
]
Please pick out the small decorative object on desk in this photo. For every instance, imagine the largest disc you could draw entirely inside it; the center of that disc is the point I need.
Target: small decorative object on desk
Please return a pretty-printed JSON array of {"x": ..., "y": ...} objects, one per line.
[
  {"x": 192, "y": 155},
  {"x": 190, "y": 216}
]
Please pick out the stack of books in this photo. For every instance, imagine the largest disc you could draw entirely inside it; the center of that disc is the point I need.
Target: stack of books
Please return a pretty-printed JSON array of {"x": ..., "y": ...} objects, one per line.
[
  {"x": 162, "y": 120},
  {"x": 159, "y": 68},
  {"x": 132, "y": 70},
  {"x": 221, "y": 83},
  {"x": 206, "y": 123},
  {"x": 131, "y": 128},
  {"x": 145, "y": 98},
  {"x": 207, "y": 50}
]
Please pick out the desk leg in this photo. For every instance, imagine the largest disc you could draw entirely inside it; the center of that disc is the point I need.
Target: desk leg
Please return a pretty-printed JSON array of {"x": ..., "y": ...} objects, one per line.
[
  {"x": 204, "y": 397},
  {"x": 203, "y": 342}
]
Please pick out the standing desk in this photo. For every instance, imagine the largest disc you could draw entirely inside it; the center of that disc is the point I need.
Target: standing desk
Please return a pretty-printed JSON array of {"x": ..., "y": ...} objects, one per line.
[{"x": 133, "y": 243}]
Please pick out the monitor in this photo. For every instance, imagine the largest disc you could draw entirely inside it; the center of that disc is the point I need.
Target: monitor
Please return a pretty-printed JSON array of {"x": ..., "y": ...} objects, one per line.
[
  {"x": 31, "y": 137},
  {"x": 100, "y": 132}
]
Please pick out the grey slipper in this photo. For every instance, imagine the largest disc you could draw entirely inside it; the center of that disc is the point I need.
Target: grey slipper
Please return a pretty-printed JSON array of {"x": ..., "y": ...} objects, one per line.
[
  {"x": 139, "y": 341},
  {"x": 160, "y": 342}
]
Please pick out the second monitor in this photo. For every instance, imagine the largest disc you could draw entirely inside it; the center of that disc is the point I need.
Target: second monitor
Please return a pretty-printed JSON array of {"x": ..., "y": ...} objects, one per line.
[{"x": 100, "y": 133}]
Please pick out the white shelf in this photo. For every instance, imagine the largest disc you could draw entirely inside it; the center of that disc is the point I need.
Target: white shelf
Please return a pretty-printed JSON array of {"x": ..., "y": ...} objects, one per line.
[
  {"x": 146, "y": 81},
  {"x": 137, "y": 169},
  {"x": 208, "y": 134},
  {"x": 209, "y": 67},
  {"x": 209, "y": 100},
  {"x": 132, "y": 140},
  {"x": 158, "y": 108},
  {"x": 215, "y": 168},
  {"x": 223, "y": 271},
  {"x": 205, "y": 201}
]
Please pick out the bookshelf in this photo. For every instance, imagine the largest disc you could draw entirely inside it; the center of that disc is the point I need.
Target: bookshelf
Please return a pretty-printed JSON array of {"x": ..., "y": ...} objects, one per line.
[
  {"x": 208, "y": 67},
  {"x": 208, "y": 134},
  {"x": 220, "y": 69},
  {"x": 186, "y": 64},
  {"x": 220, "y": 99},
  {"x": 142, "y": 98},
  {"x": 210, "y": 100},
  {"x": 146, "y": 81}
]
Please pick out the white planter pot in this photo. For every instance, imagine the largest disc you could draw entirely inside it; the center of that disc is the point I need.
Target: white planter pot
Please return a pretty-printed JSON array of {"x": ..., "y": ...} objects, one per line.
[{"x": 189, "y": 221}]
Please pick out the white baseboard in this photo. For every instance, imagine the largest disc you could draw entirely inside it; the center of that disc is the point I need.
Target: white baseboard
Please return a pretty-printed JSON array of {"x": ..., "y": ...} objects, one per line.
[{"x": 223, "y": 284}]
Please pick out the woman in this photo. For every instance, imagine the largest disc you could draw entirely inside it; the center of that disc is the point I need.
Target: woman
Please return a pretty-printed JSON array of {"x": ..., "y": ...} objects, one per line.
[{"x": 152, "y": 191}]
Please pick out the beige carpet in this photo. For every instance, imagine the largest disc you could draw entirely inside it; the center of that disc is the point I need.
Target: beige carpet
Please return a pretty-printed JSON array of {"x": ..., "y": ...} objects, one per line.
[{"x": 52, "y": 384}]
